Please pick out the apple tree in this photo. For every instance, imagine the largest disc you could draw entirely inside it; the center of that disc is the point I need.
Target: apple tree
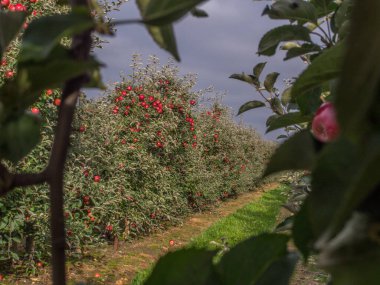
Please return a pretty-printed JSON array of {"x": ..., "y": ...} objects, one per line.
[{"x": 55, "y": 52}]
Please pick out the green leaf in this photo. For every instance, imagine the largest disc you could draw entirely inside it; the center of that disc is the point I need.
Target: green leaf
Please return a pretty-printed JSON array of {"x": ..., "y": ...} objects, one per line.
[
  {"x": 95, "y": 80},
  {"x": 246, "y": 78},
  {"x": 44, "y": 33},
  {"x": 165, "y": 38},
  {"x": 276, "y": 106},
  {"x": 270, "y": 41},
  {"x": 335, "y": 168},
  {"x": 270, "y": 80},
  {"x": 358, "y": 90},
  {"x": 286, "y": 96},
  {"x": 324, "y": 7},
  {"x": 250, "y": 105},
  {"x": 249, "y": 260},
  {"x": 10, "y": 25},
  {"x": 289, "y": 45},
  {"x": 362, "y": 183},
  {"x": 199, "y": 13},
  {"x": 343, "y": 13},
  {"x": 302, "y": 50},
  {"x": 270, "y": 119},
  {"x": 163, "y": 35},
  {"x": 280, "y": 271},
  {"x": 32, "y": 78},
  {"x": 302, "y": 144},
  {"x": 302, "y": 232},
  {"x": 162, "y": 12},
  {"x": 258, "y": 69},
  {"x": 288, "y": 119},
  {"x": 19, "y": 136},
  {"x": 285, "y": 225},
  {"x": 185, "y": 266},
  {"x": 309, "y": 102},
  {"x": 282, "y": 137},
  {"x": 297, "y": 10},
  {"x": 326, "y": 66},
  {"x": 54, "y": 73}
]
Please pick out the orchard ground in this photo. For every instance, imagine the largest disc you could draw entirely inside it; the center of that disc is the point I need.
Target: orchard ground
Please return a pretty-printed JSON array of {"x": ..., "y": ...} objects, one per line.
[{"x": 118, "y": 265}]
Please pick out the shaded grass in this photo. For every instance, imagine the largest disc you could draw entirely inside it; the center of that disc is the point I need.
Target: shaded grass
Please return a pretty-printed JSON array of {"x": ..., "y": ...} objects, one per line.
[{"x": 255, "y": 218}]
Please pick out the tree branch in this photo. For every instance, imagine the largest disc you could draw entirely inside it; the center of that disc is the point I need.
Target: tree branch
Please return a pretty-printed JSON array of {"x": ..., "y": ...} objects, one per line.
[
  {"x": 80, "y": 50},
  {"x": 9, "y": 181}
]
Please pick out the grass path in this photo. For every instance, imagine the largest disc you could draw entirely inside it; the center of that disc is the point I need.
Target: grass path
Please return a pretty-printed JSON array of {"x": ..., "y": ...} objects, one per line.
[
  {"x": 258, "y": 213},
  {"x": 256, "y": 217}
]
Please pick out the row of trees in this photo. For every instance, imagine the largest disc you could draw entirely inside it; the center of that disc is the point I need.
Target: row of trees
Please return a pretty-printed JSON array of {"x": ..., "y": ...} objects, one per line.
[{"x": 338, "y": 220}]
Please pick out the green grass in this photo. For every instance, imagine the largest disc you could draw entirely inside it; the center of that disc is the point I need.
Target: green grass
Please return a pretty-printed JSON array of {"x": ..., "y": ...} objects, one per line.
[{"x": 255, "y": 218}]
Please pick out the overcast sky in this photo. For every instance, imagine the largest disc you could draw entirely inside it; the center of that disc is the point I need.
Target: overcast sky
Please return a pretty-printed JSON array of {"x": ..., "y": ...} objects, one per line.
[{"x": 214, "y": 48}]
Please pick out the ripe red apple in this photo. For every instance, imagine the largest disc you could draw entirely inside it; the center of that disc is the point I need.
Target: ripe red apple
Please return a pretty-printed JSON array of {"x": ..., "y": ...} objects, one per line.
[
  {"x": 9, "y": 74},
  {"x": 171, "y": 242},
  {"x": 5, "y": 3},
  {"x": 35, "y": 110},
  {"x": 324, "y": 126},
  {"x": 19, "y": 7},
  {"x": 82, "y": 129},
  {"x": 57, "y": 102},
  {"x": 96, "y": 178},
  {"x": 192, "y": 102}
]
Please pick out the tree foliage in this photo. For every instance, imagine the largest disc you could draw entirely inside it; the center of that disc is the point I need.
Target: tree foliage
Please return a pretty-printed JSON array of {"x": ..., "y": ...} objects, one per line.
[{"x": 339, "y": 220}]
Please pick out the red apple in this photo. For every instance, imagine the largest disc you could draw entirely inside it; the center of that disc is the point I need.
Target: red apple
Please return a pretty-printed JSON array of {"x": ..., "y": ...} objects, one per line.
[
  {"x": 57, "y": 102},
  {"x": 19, "y": 7},
  {"x": 9, "y": 74},
  {"x": 5, "y": 3},
  {"x": 324, "y": 126},
  {"x": 96, "y": 178},
  {"x": 35, "y": 110}
]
